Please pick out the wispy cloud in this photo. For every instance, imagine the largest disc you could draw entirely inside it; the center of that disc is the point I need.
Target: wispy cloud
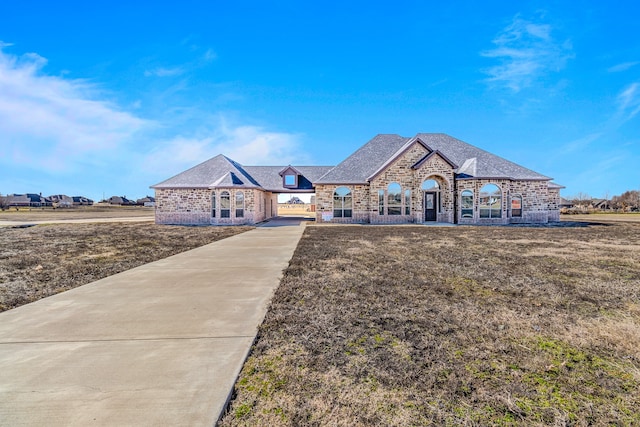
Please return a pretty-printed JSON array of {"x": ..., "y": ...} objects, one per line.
[
  {"x": 195, "y": 63},
  {"x": 64, "y": 135},
  {"x": 45, "y": 120},
  {"x": 247, "y": 144},
  {"x": 622, "y": 67},
  {"x": 165, "y": 72},
  {"x": 629, "y": 102},
  {"x": 525, "y": 51}
]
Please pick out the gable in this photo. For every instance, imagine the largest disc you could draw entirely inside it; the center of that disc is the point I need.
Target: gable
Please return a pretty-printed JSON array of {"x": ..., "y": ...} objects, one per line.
[
  {"x": 404, "y": 158},
  {"x": 434, "y": 157}
]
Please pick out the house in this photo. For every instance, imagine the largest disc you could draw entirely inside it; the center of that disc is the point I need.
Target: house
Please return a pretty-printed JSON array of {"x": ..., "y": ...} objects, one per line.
[
  {"x": 118, "y": 200},
  {"x": 81, "y": 201},
  {"x": 61, "y": 200},
  {"x": 31, "y": 200},
  {"x": 295, "y": 200},
  {"x": 147, "y": 201},
  {"x": 601, "y": 204},
  {"x": 431, "y": 177}
]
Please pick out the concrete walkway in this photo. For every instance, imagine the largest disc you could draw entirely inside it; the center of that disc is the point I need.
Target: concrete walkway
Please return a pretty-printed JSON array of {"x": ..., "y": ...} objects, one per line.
[{"x": 161, "y": 344}]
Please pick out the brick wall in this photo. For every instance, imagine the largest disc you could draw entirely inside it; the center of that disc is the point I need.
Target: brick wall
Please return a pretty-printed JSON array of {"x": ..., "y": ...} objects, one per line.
[
  {"x": 192, "y": 206},
  {"x": 535, "y": 201},
  {"x": 365, "y": 197}
]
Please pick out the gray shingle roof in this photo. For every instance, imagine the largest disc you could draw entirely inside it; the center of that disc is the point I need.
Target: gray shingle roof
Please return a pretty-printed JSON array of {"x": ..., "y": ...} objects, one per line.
[
  {"x": 487, "y": 165},
  {"x": 221, "y": 171},
  {"x": 472, "y": 162},
  {"x": 270, "y": 179},
  {"x": 358, "y": 168},
  {"x": 215, "y": 172}
]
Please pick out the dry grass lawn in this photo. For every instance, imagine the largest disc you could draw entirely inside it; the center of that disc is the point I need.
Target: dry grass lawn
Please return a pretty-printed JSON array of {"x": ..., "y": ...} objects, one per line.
[
  {"x": 43, "y": 260},
  {"x": 467, "y": 326},
  {"x": 80, "y": 212}
]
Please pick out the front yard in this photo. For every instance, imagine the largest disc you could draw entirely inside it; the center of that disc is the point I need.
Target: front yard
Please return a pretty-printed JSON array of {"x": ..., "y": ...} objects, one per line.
[{"x": 450, "y": 326}]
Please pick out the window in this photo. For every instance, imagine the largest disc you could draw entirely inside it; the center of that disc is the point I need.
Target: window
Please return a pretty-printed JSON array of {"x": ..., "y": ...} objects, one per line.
[
  {"x": 290, "y": 180},
  {"x": 225, "y": 205},
  {"x": 466, "y": 204},
  {"x": 394, "y": 199},
  {"x": 490, "y": 201},
  {"x": 342, "y": 203},
  {"x": 239, "y": 204},
  {"x": 430, "y": 185},
  {"x": 516, "y": 206},
  {"x": 380, "y": 202},
  {"x": 213, "y": 204},
  {"x": 407, "y": 202}
]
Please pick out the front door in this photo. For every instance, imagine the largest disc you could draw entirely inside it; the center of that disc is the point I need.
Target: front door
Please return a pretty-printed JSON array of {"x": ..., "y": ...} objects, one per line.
[{"x": 430, "y": 206}]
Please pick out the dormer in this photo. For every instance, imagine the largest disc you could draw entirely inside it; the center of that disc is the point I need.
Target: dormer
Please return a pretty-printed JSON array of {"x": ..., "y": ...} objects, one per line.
[{"x": 290, "y": 177}]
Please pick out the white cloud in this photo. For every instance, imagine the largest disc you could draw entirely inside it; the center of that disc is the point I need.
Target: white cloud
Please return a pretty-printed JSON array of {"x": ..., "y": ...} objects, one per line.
[
  {"x": 623, "y": 66},
  {"x": 47, "y": 121},
  {"x": 61, "y": 135},
  {"x": 246, "y": 144},
  {"x": 165, "y": 72},
  {"x": 209, "y": 55},
  {"x": 629, "y": 102},
  {"x": 525, "y": 51}
]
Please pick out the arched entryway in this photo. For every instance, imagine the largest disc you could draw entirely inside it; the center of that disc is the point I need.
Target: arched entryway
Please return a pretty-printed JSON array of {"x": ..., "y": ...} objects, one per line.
[{"x": 432, "y": 199}]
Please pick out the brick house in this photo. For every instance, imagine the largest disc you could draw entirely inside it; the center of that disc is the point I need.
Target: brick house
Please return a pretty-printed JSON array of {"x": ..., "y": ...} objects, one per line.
[{"x": 390, "y": 180}]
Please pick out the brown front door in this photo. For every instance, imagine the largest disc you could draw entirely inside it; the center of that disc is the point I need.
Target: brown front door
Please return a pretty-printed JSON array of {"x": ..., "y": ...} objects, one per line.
[{"x": 430, "y": 206}]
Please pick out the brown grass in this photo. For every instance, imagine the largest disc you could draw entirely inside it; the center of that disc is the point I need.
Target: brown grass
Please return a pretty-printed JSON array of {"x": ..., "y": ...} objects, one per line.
[
  {"x": 450, "y": 326},
  {"x": 80, "y": 212},
  {"x": 43, "y": 260}
]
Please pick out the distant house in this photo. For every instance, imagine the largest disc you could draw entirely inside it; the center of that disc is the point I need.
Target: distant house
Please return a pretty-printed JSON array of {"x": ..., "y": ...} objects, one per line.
[
  {"x": 31, "y": 200},
  {"x": 81, "y": 201},
  {"x": 295, "y": 201},
  {"x": 147, "y": 201},
  {"x": 565, "y": 204},
  {"x": 430, "y": 177},
  {"x": 601, "y": 204},
  {"x": 61, "y": 200},
  {"x": 120, "y": 200}
]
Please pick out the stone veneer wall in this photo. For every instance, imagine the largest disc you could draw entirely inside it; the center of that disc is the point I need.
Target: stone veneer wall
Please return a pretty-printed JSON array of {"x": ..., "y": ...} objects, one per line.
[
  {"x": 359, "y": 197},
  {"x": 438, "y": 169},
  {"x": 365, "y": 197},
  {"x": 183, "y": 206},
  {"x": 554, "y": 204},
  {"x": 535, "y": 201},
  {"x": 192, "y": 206}
]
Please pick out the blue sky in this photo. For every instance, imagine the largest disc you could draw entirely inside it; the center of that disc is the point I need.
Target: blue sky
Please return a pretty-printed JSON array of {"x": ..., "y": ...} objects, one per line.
[{"x": 110, "y": 97}]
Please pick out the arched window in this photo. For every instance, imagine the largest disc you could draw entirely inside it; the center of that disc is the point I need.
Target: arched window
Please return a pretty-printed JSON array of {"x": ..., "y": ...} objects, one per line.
[
  {"x": 466, "y": 204},
  {"x": 225, "y": 205},
  {"x": 394, "y": 199},
  {"x": 430, "y": 185},
  {"x": 342, "y": 203},
  {"x": 239, "y": 204},
  {"x": 380, "y": 202},
  {"x": 213, "y": 204},
  {"x": 516, "y": 206},
  {"x": 490, "y": 201},
  {"x": 407, "y": 202}
]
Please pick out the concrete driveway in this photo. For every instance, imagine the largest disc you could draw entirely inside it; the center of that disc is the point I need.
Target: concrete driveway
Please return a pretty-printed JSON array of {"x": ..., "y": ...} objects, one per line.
[{"x": 161, "y": 344}]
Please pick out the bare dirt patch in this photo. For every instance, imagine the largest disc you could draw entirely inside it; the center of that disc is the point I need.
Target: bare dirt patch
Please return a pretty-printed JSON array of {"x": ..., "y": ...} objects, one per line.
[
  {"x": 450, "y": 326},
  {"x": 43, "y": 260}
]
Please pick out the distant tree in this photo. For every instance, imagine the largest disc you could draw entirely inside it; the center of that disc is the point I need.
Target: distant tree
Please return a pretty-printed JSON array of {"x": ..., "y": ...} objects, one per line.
[
  {"x": 629, "y": 200},
  {"x": 4, "y": 202}
]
